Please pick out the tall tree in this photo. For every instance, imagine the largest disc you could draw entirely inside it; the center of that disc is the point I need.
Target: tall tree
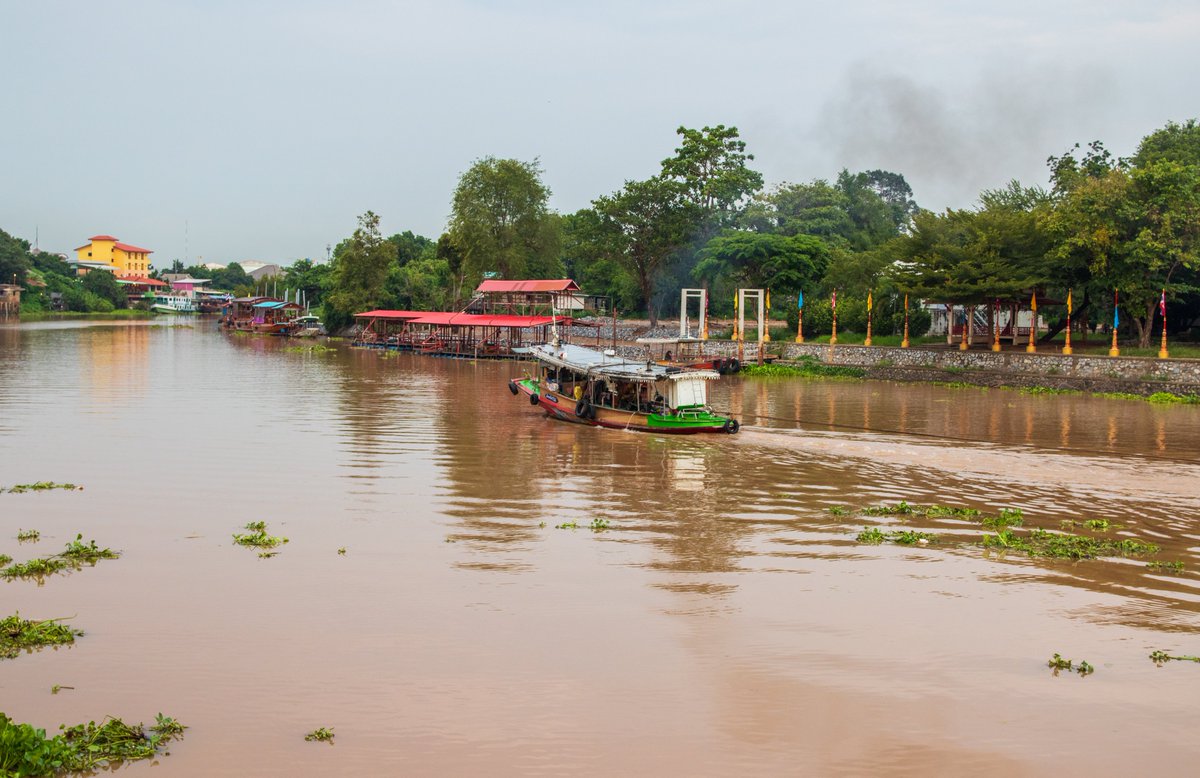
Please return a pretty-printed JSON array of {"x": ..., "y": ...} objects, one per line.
[
  {"x": 359, "y": 273},
  {"x": 783, "y": 264},
  {"x": 641, "y": 227},
  {"x": 15, "y": 259},
  {"x": 711, "y": 166},
  {"x": 501, "y": 221}
]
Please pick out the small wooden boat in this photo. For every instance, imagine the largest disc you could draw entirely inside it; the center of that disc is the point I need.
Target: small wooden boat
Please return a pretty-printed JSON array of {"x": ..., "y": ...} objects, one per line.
[
  {"x": 691, "y": 352},
  {"x": 585, "y": 386}
]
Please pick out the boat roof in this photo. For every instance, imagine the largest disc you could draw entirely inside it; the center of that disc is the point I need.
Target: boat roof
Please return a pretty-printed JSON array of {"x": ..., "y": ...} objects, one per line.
[
  {"x": 277, "y": 304},
  {"x": 598, "y": 363}
]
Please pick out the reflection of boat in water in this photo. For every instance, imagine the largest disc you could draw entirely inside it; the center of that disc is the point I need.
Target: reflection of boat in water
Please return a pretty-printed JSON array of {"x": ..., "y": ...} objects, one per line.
[
  {"x": 170, "y": 303},
  {"x": 599, "y": 388},
  {"x": 690, "y": 352}
]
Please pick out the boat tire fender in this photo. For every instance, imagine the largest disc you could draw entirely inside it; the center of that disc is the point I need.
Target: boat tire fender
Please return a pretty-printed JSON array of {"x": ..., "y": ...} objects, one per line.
[
  {"x": 732, "y": 426},
  {"x": 533, "y": 399},
  {"x": 512, "y": 387},
  {"x": 583, "y": 408}
]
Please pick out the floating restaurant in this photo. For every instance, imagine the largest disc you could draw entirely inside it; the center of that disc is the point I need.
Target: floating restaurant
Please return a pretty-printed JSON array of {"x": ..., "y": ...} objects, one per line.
[{"x": 502, "y": 319}]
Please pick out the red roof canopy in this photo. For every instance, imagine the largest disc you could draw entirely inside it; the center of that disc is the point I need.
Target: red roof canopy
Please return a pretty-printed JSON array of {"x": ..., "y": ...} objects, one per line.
[
  {"x": 143, "y": 281},
  {"x": 383, "y": 314},
  {"x": 131, "y": 249},
  {"x": 102, "y": 237},
  {"x": 533, "y": 285}
]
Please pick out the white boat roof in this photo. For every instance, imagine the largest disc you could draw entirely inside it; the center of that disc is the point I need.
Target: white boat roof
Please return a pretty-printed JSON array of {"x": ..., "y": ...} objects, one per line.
[{"x": 592, "y": 362}]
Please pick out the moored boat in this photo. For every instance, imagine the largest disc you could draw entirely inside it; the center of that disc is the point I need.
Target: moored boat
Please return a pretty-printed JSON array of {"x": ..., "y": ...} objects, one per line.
[
  {"x": 170, "y": 303},
  {"x": 585, "y": 386}
]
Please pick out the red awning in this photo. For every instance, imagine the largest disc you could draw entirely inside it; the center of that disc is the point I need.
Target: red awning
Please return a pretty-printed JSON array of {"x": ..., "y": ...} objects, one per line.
[
  {"x": 384, "y": 314},
  {"x": 143, "y": 281}
]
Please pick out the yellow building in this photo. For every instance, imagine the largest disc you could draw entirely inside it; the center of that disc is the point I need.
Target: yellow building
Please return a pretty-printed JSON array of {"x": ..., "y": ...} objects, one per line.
[{"x": 126, "y": 260}]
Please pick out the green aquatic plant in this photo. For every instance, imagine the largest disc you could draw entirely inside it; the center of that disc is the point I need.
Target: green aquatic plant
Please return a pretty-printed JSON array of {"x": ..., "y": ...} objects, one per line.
[
  {"x": 320, "y": 735},
  {"x": 1162, "y": 657},
  {"x": 839, "y": 510},
  {"x": 56, "y": 688},
  {"x": 1098, "y": 524},
  {"x": 17, "y": 634},
  {"x": 79, "y": 551},
  {"x": 1057, "y": 663},
  {"x": 872, "y": 536},
  {"x": 1171, "y": 568},
  {"x": 1042, "y": 543},
  {"x": 909, "y": 538},
  {"x": 28, "y": 535},
  {"x": 4, "y": 559},
  {"x": 34, "y": 568},
  {"x": 900, "y": 508},
  {"x": 1008, "y": 517},
  {"x": 804, "y": 366},
  {"x": 342, "y": 551},
  {"x": 315, "y": 348},
  {"x": 257, "y": 537},
  {"x": 1167, "y": 398},
  {"x": 41, "y": 486},
  {"x": 567, "y": 525},
  {"x": 598, "y": 525},
  {"x": 948, "y": 510}
]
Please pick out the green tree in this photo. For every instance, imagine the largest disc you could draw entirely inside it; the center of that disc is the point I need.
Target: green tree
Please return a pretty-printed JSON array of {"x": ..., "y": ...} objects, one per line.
[
  {"x": 501, "y": 223},
  {"x": 104, "y": 285},
  {"x": 641, "y": 227},
  {"x": 309, "y": 277},
  {"x": 410, "y": 246},
  {"x": 359, "y": 273},
  {"x": 784, "y": 264},
  {"x": 15, "y": 259},
  {"x": 711, "y": 166}
]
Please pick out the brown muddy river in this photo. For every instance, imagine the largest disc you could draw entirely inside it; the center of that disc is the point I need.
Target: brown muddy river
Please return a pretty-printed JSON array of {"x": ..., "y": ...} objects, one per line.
[{"x": 726, "y": 622}]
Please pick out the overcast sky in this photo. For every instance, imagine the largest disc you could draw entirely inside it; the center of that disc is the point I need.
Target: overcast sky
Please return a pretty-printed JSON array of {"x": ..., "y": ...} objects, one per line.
[{"x": 260, "y": 129}]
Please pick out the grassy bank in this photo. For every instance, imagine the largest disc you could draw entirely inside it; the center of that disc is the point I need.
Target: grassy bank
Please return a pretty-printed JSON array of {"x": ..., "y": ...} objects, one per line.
[{"x": 119, "y": 315}]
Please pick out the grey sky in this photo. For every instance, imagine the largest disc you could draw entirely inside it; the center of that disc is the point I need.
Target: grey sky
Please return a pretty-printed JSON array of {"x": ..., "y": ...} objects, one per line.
[{"x": 267, "y": 127}]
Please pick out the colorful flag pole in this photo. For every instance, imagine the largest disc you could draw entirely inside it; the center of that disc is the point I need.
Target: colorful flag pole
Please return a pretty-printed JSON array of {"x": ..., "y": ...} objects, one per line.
[
  {"x": 1162, "y": 307},
  {"x": 904, "y": 342},
  {"x": 767, "y": 319},
  {"x": 867, "y": 342},
  {"x": 833, "y": 307},
  {"x": 704, "y": 320},
  {"x": 1114, "y": 351},
  {"x": 735, "y": 315},
  {"x": 800, "y": 317},
  {"x": 1032, "y": 347},
  {"x": 1067, "y": 347}
]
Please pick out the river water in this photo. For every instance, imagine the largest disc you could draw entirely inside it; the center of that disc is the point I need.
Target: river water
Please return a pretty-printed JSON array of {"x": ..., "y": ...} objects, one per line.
[{"x": 726, "y": 622}]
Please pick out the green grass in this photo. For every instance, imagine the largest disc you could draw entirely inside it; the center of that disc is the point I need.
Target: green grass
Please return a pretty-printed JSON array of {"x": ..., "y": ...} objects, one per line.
[
  {"x": 119, "y": 314},
  {"x": 804, "y": 366},
  {"x": 17, "y": 635},
  {"x": 1176, "y": 350}
]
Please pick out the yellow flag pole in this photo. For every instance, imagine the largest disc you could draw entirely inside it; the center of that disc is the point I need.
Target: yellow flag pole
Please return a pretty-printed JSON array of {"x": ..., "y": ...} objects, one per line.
[
  {"x": 904, "y": 343},
  {"x": 1067, "y": 347},
  {"x": 1162, "y": 350},
  {"x": 867, "y": 342}
]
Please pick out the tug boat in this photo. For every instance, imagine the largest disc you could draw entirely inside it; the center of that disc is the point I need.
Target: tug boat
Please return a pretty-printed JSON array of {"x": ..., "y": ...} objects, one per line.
[{"x": 585, "y": 386}]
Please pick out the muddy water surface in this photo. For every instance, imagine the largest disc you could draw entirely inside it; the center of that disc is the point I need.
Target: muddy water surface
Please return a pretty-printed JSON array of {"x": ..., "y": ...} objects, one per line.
[{"x": 725, "y": 622}]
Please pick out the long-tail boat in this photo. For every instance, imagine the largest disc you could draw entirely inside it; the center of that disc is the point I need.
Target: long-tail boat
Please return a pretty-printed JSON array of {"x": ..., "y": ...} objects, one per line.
[{"x": 585, "y": 386}]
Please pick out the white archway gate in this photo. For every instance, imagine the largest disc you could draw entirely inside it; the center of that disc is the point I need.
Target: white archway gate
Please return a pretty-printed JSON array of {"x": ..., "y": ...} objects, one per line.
[
  {"x": 685, "y": 330},
  {"x": 759, "y": 296}
]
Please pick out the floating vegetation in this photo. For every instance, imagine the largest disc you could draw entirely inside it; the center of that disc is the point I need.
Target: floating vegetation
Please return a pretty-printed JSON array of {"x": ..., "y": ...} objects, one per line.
[
  {"x": 342, "y": 551},
  {"x": 1057, "y": 663},
  {"x": 4, "y": 559},
  {"x": 321, "y": 735},
  {"x": 948, "y": 510},
  {"x": 567, "y": 525},
  {"x": 1162, "y": 657},
  {"x": 1169, "y": 398},
  {"x": 28, "y": 536},
  {"x": 1009, "y": 517},
  {"x": 56, "y": 688},
  {"x": 839, "y": 510},
  {"x": 40, "y": 486},
  {"x": 598, "y": 525},
  {"x": 1171, "y": 568},
  {"x": 17, "y": 634},
  {"x": 74, "y": 556},
  {"x": 804, "y": 366},
  {"x": 27, "y": 751},
  {"x": 267, "y": 554},
  {"x": 1041, "y": 543},
  {"x": 257, "y": 537},
  {"x": 871, "y": 536},
  {"x": 900, "y": 508},
  {"x": 315, "y": 348}
]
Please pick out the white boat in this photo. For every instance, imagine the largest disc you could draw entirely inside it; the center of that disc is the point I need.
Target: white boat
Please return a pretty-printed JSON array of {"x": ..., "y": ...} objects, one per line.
[{"x": 170, "y": 303}]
